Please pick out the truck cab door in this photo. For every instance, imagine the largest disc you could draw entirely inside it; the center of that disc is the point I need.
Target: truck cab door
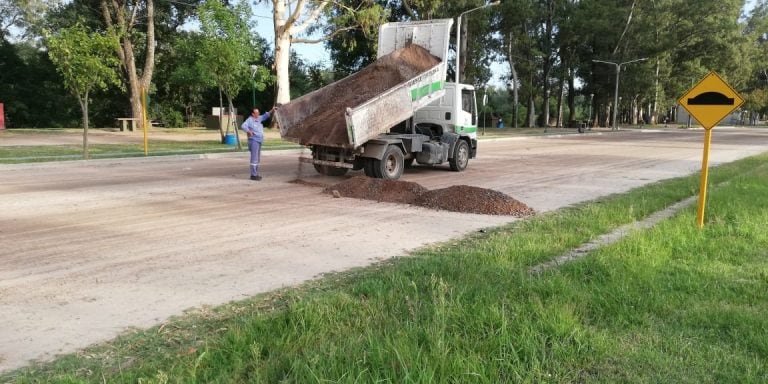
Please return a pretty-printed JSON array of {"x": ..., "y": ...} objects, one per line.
[{"x": 467, "y": 117}]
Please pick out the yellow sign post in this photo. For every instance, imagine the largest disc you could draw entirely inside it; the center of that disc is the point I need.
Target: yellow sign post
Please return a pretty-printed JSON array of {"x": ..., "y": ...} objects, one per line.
[{"x": 709, "y": 102}]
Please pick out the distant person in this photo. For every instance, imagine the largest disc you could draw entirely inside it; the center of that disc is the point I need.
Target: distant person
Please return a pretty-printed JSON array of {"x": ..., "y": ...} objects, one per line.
[
  {"x": 500, "y": 124},
  {"x": 254, "y": 128}
]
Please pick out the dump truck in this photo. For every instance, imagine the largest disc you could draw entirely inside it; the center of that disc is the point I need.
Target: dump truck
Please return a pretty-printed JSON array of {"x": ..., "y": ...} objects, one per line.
[{"x": 394, "y": 112}]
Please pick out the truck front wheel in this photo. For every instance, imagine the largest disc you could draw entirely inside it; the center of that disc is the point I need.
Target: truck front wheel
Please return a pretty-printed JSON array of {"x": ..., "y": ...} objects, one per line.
[
  {"x": 460, "y": 158},
  {"x": 391, "y": 165}
]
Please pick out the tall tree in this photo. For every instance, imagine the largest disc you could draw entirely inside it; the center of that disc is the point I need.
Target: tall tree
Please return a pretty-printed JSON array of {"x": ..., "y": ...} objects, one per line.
[
  {"x": 356, "y": 47},
  {"x": 85, "y": 63},
  {"x": 227, "y": 50},
  {"x": 519, "y": 48},
  {"x": 31, "y": 87},
  {"x": 126, "y": 16},
  {"x": 756, "y": 32},
  {"x": 291, "y": 23},
  {"x": 24, "y": 15}
]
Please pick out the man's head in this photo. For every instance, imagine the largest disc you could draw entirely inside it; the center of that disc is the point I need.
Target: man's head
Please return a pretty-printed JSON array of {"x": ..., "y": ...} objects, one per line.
[{"x": 255, "y": 112}]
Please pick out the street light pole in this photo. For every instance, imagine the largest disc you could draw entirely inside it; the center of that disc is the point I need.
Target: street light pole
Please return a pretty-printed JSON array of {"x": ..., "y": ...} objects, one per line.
[
  {"x": 485, "y": 101},
  {"x": 254, "y": 67},
  {"x": 458, "y": 46},
  {"x": 616, "y": 91}
]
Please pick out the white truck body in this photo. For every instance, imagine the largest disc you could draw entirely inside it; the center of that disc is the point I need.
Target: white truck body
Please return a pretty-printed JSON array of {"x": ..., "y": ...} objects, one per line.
[{"x": 411, "y": 121}]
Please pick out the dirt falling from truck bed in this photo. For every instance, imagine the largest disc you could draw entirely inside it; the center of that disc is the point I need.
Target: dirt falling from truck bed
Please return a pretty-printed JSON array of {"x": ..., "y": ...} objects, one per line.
[
  {"x": 458, "y": 198},
  {"x": 327, "y": 126}
]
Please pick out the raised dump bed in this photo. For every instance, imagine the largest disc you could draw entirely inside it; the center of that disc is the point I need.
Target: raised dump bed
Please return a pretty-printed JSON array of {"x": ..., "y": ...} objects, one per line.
[{"x": 349, "y": 112}]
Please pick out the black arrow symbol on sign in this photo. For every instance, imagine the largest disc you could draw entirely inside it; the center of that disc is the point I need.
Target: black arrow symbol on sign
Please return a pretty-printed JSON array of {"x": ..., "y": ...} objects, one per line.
[{"x": 710, "y": 98}]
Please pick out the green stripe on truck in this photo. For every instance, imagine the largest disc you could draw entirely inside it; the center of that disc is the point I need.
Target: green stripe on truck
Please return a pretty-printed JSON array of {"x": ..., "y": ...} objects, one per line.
[{"x": 418, "y": 93}]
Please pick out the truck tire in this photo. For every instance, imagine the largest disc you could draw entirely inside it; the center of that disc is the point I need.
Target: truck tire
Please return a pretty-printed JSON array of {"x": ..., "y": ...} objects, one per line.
[
  {"x": 368, "y": 168},
  {"x": 330, "y": 171},
  {"x": 460, "y": 158},
  {"x": 391, "y": 165}
]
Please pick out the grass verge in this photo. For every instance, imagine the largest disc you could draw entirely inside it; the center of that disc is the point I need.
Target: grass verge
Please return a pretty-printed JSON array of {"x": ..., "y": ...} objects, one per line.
[
  {"x": 670, "y": 304},
  {"x": 31, "y": 154}
]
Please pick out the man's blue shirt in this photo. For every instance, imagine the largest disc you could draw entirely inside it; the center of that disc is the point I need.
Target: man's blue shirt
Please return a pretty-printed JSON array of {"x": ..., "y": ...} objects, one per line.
[{"x": 255, "y": 126}]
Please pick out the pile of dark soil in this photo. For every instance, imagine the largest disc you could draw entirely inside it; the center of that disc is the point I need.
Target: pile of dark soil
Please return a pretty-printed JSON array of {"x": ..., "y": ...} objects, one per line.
[
  {"x": 391, "y": 191},
  {"x": 468, "y": 199},
  {"x": 327, "y": 124},
  {"x": 459, "y": 198}
]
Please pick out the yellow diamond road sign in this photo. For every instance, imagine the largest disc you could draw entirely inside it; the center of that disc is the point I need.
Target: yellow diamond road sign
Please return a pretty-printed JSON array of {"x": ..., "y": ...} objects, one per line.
[{"x": 711, "y": 100}]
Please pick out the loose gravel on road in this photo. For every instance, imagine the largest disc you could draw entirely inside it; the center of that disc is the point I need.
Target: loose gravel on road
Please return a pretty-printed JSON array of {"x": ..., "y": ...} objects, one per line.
[{"x": 458, "y": 198}]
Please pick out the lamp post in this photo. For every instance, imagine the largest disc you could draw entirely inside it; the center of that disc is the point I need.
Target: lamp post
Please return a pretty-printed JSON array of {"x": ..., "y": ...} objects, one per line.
[
  {"x": 616, "y": 92},
  {"x": 457, "y": 96},
  {"x": 485, "y": 101},
  {"x": 589, "y": 118},
  {"x": 254, "y": 67}
]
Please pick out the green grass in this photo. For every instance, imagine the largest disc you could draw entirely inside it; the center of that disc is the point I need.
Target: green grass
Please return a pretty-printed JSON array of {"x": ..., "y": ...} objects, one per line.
[
  {"x": 29, "y": 154},
  {"x": 672, "y": 304}
]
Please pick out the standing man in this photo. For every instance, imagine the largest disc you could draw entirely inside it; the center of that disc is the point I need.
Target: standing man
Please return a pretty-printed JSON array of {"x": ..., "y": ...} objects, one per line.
[{"x": 254, "y": 128}]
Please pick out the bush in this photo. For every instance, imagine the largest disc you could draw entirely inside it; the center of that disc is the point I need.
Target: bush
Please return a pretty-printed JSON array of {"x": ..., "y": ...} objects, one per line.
[{"x": 169, "y": 117}]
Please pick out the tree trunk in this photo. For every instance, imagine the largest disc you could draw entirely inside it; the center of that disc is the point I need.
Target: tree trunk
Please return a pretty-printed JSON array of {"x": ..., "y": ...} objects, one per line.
[
  {"x": 634, "y": 111},
  {"x": 531, "y": 111},
  {"x": 84, "y": 108},
  {"x": 285, "y": 31},
  {"x": 548, "y": 60},
  {"x": 463, "y": 49},
  {"x": 626, "y": 27},
  {"x": 233, "y": 122},
  {"x": 653, "y": 114},
  {"x": 515, "y": 95},
  {"x": 282, "y": 53},
  {"x": 118, "y": 14},
  {"x": 561, "y": 87},
  {"x": 515, "y": 82},
  {"x": 221, "y": 116},
  {"x": 571, "y": 96}
]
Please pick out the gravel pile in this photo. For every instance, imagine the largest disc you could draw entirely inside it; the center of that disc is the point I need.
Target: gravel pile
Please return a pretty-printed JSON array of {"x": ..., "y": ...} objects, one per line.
[
  {"x": 468, "y": 199},
  {"x": 459, "y": 198},
  {"x": 391, "y": 191}
]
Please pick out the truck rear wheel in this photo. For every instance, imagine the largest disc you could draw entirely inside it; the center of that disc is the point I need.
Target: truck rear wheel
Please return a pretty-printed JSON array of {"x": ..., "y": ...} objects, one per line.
[
  {"x": 369, "y": 169},
  {"x": 391, "y": 165},
  {"x": 460, "y": 159},
  {"x": 330, "y": 171}
]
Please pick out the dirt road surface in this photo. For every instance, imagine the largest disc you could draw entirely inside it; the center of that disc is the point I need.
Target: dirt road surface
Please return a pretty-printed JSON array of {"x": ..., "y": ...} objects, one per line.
[{"x": 91, "y": 248}]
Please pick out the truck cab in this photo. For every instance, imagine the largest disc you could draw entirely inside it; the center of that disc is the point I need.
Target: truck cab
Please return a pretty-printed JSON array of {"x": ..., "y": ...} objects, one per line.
[{"x": 443, "y": 115}]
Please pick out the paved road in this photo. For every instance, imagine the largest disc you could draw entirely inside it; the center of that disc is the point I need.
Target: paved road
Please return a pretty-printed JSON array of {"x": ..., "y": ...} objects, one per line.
[{"x": 92, "y": 248}]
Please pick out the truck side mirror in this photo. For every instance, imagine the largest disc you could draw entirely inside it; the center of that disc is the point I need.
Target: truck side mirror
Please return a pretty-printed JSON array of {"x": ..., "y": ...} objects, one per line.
[{"x": 448, "y": 116}]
